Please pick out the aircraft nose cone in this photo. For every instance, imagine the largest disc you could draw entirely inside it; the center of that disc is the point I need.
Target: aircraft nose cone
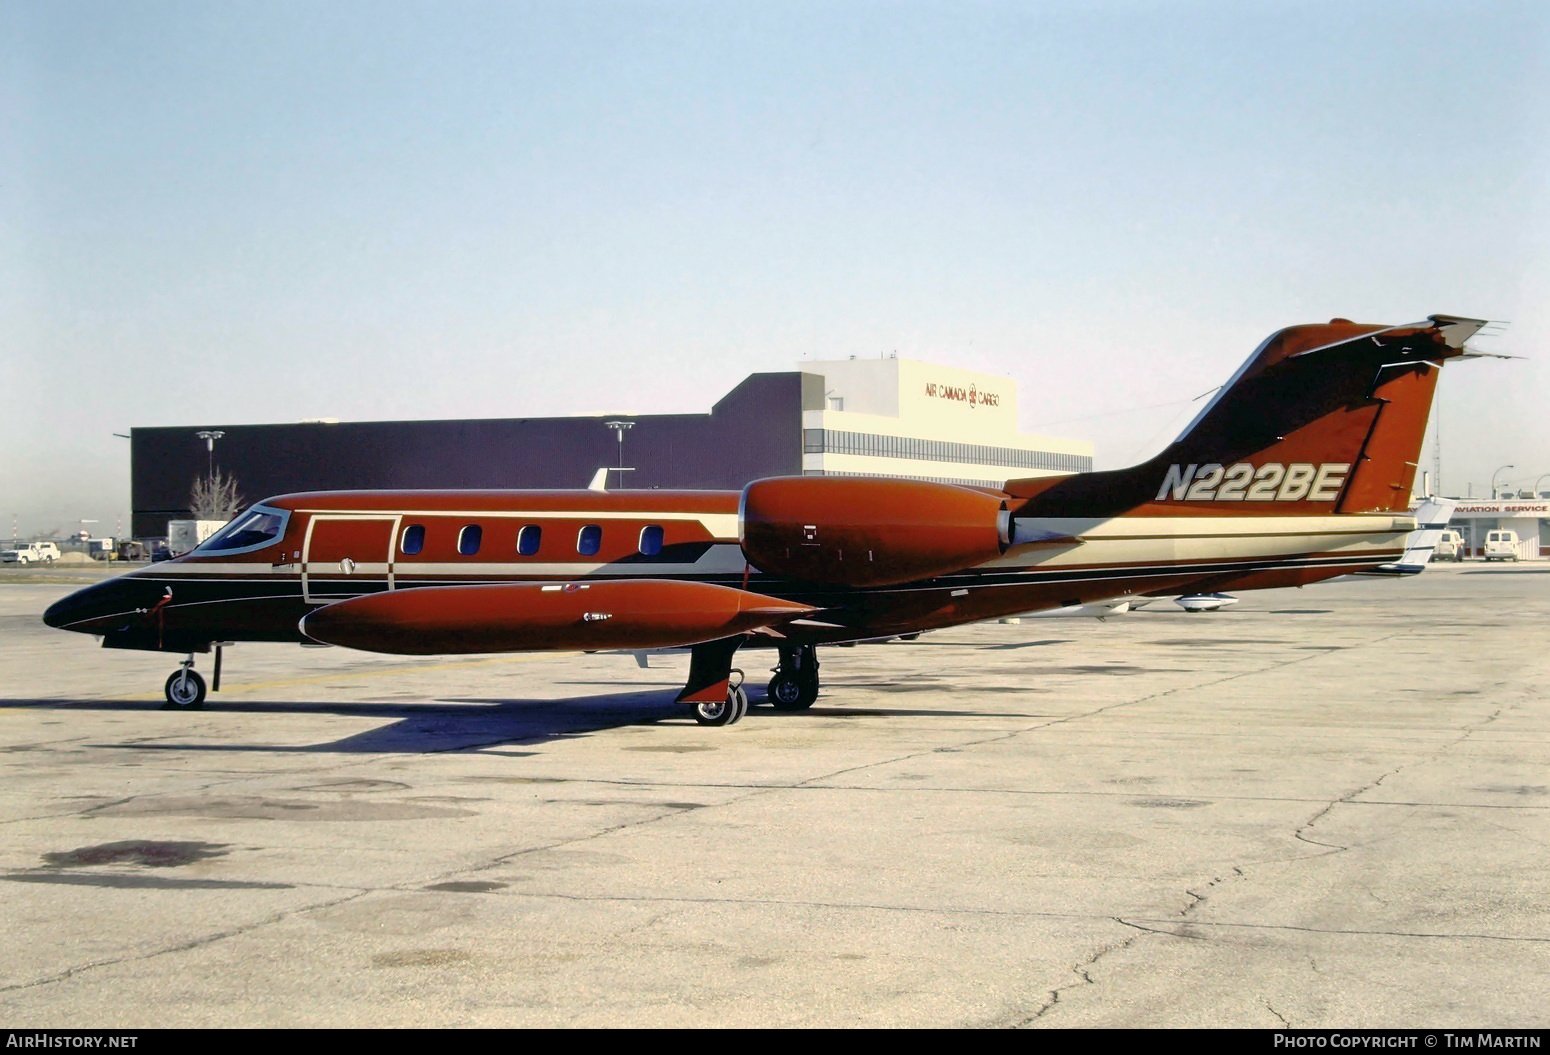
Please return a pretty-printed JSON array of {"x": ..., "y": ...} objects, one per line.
[
  {"x": 89, "y": 609},
  {"x": 63, "y": 612}
]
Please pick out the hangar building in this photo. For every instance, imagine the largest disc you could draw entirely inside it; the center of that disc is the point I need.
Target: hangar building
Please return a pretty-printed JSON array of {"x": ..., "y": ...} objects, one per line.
[{"x": 887, "y": 417}]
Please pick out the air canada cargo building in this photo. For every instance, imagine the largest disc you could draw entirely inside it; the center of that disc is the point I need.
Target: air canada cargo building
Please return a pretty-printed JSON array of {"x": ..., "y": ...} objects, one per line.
[{"x": 876, "y": 417}]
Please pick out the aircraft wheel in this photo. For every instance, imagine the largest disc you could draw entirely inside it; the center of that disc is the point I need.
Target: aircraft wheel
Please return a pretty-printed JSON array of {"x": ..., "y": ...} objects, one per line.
[
  {"x": 185, "y": 691},
  {"x": 783, "y": 692},
  {"x": 723, "y": 712},
  {"x": 726, "y": 712},
  {"x": 792, "y": 692}
]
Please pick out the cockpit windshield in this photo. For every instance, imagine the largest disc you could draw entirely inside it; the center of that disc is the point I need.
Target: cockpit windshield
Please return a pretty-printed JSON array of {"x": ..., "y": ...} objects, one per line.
[{"x": 257, "y": 527}]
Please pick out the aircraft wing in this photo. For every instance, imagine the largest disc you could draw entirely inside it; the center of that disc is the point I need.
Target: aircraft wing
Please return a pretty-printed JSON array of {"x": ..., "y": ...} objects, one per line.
[{"x": 597, "y": 615}]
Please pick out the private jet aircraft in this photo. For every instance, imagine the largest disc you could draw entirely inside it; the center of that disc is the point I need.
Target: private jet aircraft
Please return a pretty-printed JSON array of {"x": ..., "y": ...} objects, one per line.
[{"x": 1300, "y": 469}]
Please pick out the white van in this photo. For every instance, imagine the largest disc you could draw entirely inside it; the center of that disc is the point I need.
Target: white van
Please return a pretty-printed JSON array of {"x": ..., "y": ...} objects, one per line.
[
  {"x": 1450, "y": 546},
  {"x": 1501, "y": 545}
]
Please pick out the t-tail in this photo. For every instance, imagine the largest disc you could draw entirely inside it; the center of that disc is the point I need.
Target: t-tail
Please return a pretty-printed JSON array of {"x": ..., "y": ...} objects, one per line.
[{"x": 1321, "y": 419}]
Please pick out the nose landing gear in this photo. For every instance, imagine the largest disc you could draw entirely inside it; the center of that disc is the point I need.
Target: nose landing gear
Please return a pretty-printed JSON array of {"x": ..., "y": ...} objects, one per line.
[{"x": 185, "y": 688}]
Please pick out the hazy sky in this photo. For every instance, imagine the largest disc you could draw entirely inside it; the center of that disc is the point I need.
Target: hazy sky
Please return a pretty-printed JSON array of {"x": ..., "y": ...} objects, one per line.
[{"x": 227, "y": 212}]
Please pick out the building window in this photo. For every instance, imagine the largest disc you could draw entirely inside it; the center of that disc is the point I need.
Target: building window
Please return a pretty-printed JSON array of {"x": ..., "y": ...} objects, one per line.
[
  {"x": 876, "y": 445},
  {"x": 528, "y": 539},
  {"x": 651, "y": 540},
  {"x": 414, "y": 539},
  {"x": 590, "y": 540},
  {"x": 468, "y": 540}
]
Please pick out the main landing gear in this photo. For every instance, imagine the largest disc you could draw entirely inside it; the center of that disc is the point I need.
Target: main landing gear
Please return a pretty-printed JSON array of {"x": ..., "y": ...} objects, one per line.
[
  {"x": 185, "y": 687},
  {"x": 715, "y": 689},
  {"x": 795, "y": 684},
  {"x": 729, "y": 710}
]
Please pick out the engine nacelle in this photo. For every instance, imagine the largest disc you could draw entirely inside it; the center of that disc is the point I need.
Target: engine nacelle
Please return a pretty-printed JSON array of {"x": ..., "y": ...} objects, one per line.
[{"x": 867, "y": 531}]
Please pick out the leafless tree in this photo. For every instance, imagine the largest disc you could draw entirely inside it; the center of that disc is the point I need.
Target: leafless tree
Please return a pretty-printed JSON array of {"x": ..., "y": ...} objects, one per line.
[{"x": 215, "y": 497}]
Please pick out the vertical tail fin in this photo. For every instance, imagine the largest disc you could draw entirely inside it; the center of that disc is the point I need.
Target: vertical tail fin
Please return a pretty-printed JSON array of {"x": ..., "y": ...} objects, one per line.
[{"x": 1325, "y": 418}]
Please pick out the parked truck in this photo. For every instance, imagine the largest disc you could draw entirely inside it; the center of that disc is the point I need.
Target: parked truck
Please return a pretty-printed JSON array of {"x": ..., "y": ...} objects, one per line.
[
  {"x": 184, "y": 535},
  {"x": 30, "y": 553}
]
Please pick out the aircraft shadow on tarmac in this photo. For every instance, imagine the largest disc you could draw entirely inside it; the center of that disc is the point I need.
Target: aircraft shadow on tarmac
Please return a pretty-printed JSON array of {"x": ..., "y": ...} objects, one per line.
[
  {"x": 457, "y": 724},
  {"x": 413, "y": 727}
]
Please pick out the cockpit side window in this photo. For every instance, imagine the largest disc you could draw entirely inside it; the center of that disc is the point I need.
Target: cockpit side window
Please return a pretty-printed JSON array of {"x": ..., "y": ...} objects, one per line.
[{"x": 256, "y": 528}]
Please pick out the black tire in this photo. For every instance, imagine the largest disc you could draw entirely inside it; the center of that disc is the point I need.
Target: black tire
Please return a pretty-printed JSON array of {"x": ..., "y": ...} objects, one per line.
[
  {"x": 185, "y": 691},
  {"x": 791, "y": 692},
  {"x": 729, "y": 711}
]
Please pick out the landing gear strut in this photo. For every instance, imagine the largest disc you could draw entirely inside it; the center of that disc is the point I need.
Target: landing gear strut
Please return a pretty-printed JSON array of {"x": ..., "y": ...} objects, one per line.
[{"x": 795, "y": 684}]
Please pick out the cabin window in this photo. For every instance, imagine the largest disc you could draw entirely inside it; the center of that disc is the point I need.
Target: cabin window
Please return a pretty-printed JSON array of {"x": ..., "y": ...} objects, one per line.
[
  {"x": 528, "y": 539},
  {"x": 590, "y": 540},
  {"x": 651, "y": 540},
  {"x": 414, "y": 539},
  {"x": 468, "y": 540}
]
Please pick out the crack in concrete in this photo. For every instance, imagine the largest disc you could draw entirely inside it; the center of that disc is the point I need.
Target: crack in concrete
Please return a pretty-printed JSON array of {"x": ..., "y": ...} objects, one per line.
[
  {"x": 1468, "y": 731},
  {"x": 1084, "y": 979},
  {"x": 1199, "y": 898},
  {"x": 1084, "y": 970},
  {"x": 183, "y": 946},
  {"x": 1159, "y": 926}
]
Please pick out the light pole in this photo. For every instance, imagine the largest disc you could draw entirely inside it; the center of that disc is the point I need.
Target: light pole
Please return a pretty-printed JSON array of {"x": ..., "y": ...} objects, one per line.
[
  {"x": 1494, "y": 475},
  {"x": 210, "y": 436},
  {"x": 1538, "y": 482},
  {"x": 620, "y": 428}
]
